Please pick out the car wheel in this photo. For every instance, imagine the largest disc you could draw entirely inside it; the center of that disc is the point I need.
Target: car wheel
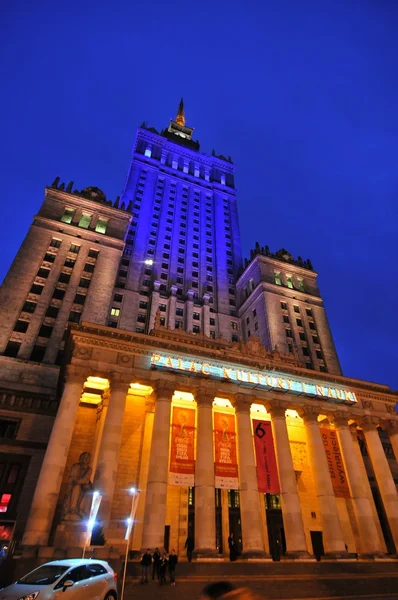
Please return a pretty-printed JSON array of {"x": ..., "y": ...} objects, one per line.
[{"x": 110, "y": 596}]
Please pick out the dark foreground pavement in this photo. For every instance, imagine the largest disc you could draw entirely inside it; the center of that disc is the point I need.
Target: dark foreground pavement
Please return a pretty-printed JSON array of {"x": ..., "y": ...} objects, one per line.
[{"x": 277, "y": 581}]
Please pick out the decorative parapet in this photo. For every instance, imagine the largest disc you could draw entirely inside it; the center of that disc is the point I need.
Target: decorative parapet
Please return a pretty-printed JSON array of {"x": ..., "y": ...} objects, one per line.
[
  {"x": 91, "y": 193},
  {"x": 282, "y": 255}
]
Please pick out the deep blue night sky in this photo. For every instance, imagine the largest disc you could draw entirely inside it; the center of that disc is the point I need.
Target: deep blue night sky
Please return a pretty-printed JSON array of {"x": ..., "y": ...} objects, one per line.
[{"x": 302, "y": 95}]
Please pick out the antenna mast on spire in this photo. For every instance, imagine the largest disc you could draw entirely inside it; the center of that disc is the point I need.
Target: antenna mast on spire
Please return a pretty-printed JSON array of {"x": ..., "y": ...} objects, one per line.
[{"x": 180, "y": 119}]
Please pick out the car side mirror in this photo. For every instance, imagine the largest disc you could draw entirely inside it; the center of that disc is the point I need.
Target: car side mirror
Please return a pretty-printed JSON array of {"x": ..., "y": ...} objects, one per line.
[{"x": 68, "y": 583}]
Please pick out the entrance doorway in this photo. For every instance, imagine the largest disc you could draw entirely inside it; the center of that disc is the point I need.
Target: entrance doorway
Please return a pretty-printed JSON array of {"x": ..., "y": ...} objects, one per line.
[
  {"x": 276, "y": 532},
  {"x": 317, "y": 544},
  {"x": 234, "y": 518}
]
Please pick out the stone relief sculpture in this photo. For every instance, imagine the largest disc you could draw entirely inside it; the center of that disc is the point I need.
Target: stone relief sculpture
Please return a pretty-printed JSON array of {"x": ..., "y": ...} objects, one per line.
[{"x": 76, "y": 506}]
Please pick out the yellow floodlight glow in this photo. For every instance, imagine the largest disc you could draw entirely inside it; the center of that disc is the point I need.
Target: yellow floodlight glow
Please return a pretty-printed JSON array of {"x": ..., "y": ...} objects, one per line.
[
  {"x": 183, "y": 396},
  {"x": 293, "y": 414},
  {"x": 222, "y": 402},
  {"x": 140, "y": 390},
  {"x": 96, "y": 383},
  {"x": 90, "y": 398}
]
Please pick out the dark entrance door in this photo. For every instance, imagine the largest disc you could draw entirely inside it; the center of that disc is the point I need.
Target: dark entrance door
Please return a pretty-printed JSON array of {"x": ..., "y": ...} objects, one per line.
[
  {"x": 234, "y": 518},
  {"x": 276, "y": 533},
  {"x": 317, "y": 544},
  {"x": 219, "y": 543}
]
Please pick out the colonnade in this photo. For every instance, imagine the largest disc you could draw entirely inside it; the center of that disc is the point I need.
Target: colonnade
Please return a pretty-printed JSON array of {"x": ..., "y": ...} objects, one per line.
[{"x": 154, "y": 517}]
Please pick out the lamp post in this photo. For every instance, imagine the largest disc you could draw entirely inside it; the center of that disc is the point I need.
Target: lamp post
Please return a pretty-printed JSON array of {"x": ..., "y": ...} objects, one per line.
[
  {"x": 95, "y": 504},
  {"x": 134, "y": 501}
]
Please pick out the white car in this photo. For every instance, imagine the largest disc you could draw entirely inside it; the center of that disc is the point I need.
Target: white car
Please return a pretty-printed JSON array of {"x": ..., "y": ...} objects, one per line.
[{"x": 74, "y": 579}]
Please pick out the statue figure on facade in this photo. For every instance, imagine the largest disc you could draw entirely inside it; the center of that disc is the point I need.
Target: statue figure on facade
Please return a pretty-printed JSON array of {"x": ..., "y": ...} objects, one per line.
[{"x": 79, "y": 485}]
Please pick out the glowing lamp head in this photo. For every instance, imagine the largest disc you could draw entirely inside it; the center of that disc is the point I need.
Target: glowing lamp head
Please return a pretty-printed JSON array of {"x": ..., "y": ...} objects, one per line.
[
  {"x": 96, "y": 493},
  {"x": 91, "y": 523},
  {"x": 133, "y": 490},
  {"x": 129, "y": 521},
  {"x": 149, "y": 261}
]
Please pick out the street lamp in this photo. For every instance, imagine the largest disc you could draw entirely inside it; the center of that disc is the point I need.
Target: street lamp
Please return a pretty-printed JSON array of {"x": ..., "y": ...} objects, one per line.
[{"x": 134, "y": 501}]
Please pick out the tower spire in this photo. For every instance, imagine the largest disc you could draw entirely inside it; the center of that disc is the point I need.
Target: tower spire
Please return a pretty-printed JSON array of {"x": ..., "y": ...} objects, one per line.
[{"x": 180, "y": 119}]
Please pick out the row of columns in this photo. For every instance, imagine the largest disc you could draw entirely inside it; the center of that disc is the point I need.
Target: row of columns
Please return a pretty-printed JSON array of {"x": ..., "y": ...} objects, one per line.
[{"x": 50, "y": 479}]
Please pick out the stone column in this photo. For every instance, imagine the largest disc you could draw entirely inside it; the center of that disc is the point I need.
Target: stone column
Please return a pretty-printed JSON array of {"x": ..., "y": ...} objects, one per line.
[
  {"x": 156, "y": 489},
  {"x": 172, "y": 307},
  {"x": 362, "y": 508},
  {"x": 382, "y": 473},
  {"x": 154, "y": 305},
  {"x": 205, "y": 328},
  {"x": 105, "y": 476},
  {"x": 189, "y": 311},
  {"x": 205, "y": 510},
  {"x": 333, "y": 540},
  {"x": 391, "y": 427},
  {"x": 253, "y": 544},
  {"x": 366, "y": 485},
  {"x": 296, "y": 546},
  {"x": 49, "y": 483}
]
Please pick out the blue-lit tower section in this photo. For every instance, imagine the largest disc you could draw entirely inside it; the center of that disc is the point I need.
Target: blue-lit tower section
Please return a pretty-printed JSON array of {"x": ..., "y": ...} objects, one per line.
[{"x": 183, "y": 250}]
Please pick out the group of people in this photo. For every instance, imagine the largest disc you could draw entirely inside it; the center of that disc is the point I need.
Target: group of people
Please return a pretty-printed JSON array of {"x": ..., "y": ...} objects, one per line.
[{"x": 160, "y": 565}]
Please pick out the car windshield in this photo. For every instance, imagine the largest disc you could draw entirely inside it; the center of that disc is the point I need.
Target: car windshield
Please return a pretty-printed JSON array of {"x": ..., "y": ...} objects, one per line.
[{"x": 45, "y": 575}]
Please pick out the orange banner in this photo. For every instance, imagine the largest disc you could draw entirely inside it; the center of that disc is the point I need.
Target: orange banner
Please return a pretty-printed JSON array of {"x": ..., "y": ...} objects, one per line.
[
  {"x": 335, "y": 463},
  {"x": 226, "y": 464},
  {"x": 182, "y": 453}
]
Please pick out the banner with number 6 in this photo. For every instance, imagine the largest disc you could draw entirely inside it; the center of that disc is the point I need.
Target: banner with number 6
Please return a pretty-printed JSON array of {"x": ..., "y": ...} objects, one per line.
[{"x": 267, "y": 471}]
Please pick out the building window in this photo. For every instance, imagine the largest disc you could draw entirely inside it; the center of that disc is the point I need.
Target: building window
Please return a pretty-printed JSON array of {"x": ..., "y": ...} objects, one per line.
[
  {"x": 196, "y": 329},
  {"x": 83, "y": 283},
  {"x": 85, "y": 221},
  {"x": 93, "y": 253},
  {"x": 89, "y": 268},
  {"x": 283, "y": 306},
  {"x": 285, "y": 319},
  {"x": 256, "y": 325},
  {"x": 162, "y": 307},
  {"x": 312, "y": 325},
  {"x": 45, "y": 331},
  {"x": 300, "y": 285},
  {"x": 29, "y": 307},
  {"x": 112, "y": 324},
  {"x": 8, "y": 431},
  {"x": 139, "y": 330},
  {"x": 117, "y": 297},
  {"x": 49, "y": 257},
  {"x": 68, "y": 215},
  {"x": 315, "y": 339},
  {"x": 212, "y": 322},
  {"x": 278, "y": 280},
  {"x": 143, "y": 304},
  {"x": 12, "y": 349},
  {"x": 302, "y": 336},
  {"x": 309, "y": 312},
  {"x": 38, "y": 353},
  {"x": 43, "y": 273},
  {"x": 36, "y": 289},
  {"x": 319, "y": 354},
  {"x": 296, "y": 308},
  {"x": 196, "y": 316},
  {"x": 59, "y": 294},
  {"x": 74, "y": 317},
  {"x": 289, "y": 333},
  {"x": 21, "y": 326},
  {"x": 52, "y": 312},
  {"x": 141, "y": 318},
  {"x": 55, "y": 243},
  {"x": 115, "y": 312},
  {"x": 235, "y": 338},
  {"x": 162, "y": 321},
  {"x": 249, "y": 333},
  {"x": 64, "y": 278},
  {"x": 299, "y": 322},
  {"x": 323, "y": 369},
  {"x": 234, "y": 325},
  {"x": 306, "y": 352},
  {"x": 69, "y": 262},
  {"x": 179, "y": 312},
  {"x": 101, "y": 225},
  {"x": 289, "y": 281}
]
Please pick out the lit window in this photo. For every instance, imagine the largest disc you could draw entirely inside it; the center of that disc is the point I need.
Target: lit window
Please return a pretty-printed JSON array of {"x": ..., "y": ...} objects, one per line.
[
  {"x": 115, "y": 312},
  {"x": 278, "y": 278},
  {"x": 85, "y": 221},
  {"x": 68, "y": 215},
  {"x": 234, "y": 325},
  {"x": 4, "y": 502},
  {"x": 300, "y": 285},
  {"x": 289, "y": 281},
  {"x": 101, "y": 225}
]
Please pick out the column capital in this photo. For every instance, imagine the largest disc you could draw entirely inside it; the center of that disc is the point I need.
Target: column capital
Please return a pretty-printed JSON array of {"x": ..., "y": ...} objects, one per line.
[
  {"x": 309, "y": 413},
  {"x": 354, "y": 431},
  {"x": 119, "y": 382},
  {"x": 242, "y": 403},
  {"x": 339, "y": 419},
  {"x": 276, "y": 409},
  {"x": 204, "y": 396},
  {"x": 76, "y": 374},
  {"x": 368, "y": 423},
  {"x": 164, "y": 389},
  {"x": 390, "y": 425}
]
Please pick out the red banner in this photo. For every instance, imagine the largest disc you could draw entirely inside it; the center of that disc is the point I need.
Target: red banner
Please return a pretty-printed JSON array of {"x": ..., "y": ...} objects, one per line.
[
  {"x": 182, "y": 454},
  {"x": 267, "y": 472},
  {"x": 226, "y": 464},
  {"x": 335, "y": 463}
]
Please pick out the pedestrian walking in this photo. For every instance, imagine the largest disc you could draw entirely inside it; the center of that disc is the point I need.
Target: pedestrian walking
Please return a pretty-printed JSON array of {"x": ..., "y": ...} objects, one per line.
[
  {"x": 173, "y": 560},
  {"x": 190, "y": 545},
  {"x": 146, "y": 562},
  {"x": 156, "y": 558},
  {"x": 163, "y": 568},
  {"x": 233, "y": 550}
]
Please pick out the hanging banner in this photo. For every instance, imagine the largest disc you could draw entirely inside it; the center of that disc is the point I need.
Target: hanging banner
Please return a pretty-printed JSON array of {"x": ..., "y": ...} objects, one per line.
[
  {"x": 267, "y": 471},
  {"x": 226, "y": 464},
  {"x": 335, "y": 463},
  {"x": 182, "y": 454}
]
